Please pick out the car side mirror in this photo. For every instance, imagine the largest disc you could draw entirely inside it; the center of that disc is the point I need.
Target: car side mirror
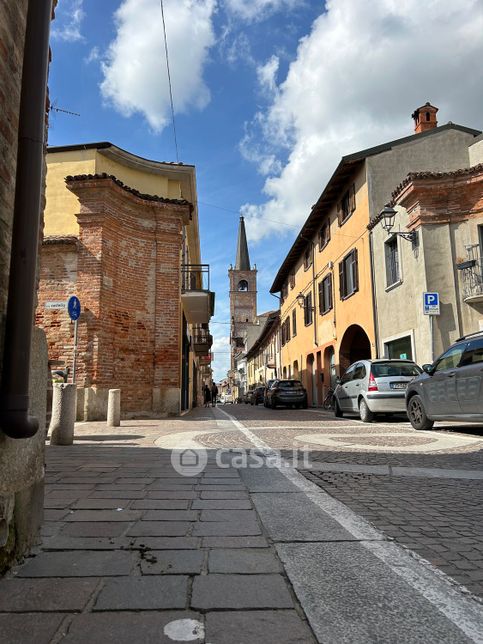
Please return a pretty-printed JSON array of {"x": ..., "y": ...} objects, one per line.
[{"x": 428, "y": 368}]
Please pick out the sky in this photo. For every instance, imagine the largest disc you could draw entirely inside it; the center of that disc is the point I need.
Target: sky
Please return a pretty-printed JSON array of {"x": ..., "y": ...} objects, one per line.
[{"x": 268, "y": 95}]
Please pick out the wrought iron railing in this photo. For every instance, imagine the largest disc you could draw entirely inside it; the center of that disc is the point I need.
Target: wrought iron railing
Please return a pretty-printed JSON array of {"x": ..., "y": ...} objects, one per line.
[
  {"x": 472, "y": 273},
  {"x": 195, "y": 277}
]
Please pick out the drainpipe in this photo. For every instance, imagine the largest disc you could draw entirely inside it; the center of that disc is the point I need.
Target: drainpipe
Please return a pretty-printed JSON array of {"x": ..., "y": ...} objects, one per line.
[
  {"x": 375, "y": 312},
  {"x": 14, "y": 417}
]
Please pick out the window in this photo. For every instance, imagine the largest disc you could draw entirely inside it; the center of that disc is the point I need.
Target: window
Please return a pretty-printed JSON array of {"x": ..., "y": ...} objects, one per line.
[
  {"x": 346, "y": 205},
  {"x": 348, "y": 275},
  {"x": 325, "y": 294},
  {"x": 324, "y": 235},
  {"x": 473, "y": 353},
  {"x": 391, "y": 253},
  {"x": 308, "y": 257},
  {"x": 308, "y": 309},
  {"x": 294, "y": 323},
  {"x": 347, "y": 377},
  {"x": 450, "y": 359},
  {"x": 359, "y": 372},
  {"x": 286, "y": 331},
  {"x": 243, "y": 285},
  {"x": 284, "y": 291},
  {"x": 292, "y": 279}
]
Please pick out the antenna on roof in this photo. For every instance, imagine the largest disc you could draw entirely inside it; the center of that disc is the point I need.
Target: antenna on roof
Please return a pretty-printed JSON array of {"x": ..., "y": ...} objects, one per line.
[{"x": 53, "y": 108}]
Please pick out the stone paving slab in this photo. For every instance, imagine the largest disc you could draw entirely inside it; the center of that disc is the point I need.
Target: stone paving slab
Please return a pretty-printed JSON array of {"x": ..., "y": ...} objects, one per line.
[
  {"x": 159, "y": 529},
  {"x": 77, "y": 564},
  {"x": 257, "y": 627},
  {"x": 174, "y": 562},
  {"x": 45, "y": 595},
  {"x": 172, "y": 494},
  {"x": 293, "y": 517},
  {"x": 240, "y": 516},
  {"x": 161, "y": 504},
  {"x": 117, "y": 494},
  {"x": 266, "y": 480},
  {"x": 224, "y": 495},
  {"x": 235, "y": 542},
  {"x": 94, "y": 529},
  {"x": 62, "y": 542},
  {"x": 170, "y": 515},
  {"x": 143, "y": 593},
  {"x": 92, "y": 516},
  {"x": 102, "y": 504},
  {"x": 29, "y": 628},
  {"x": 240, "y": 591},
  {"x": 248, "y": 561},
  {"x": 125, "y": 628},
  {"x": 166, "y": 543},
  {"x": 217, "y": 504},
  {"x": 345, "y": 590},
  {"x": 226, "y": 529}
]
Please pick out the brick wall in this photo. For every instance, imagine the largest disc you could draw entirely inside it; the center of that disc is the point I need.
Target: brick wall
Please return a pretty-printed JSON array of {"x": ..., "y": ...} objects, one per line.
[{"x": 127, "y": 278}]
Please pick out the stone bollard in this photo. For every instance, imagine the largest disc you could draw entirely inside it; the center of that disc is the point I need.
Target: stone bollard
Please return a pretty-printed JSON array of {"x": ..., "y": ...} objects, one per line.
[
  {"x": 63, "y": 414},
  {"x": 114, "y": 408}
]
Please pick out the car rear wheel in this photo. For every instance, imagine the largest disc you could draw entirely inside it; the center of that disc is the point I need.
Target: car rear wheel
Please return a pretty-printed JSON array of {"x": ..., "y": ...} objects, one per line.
[
  {"x": 417, "y": 413},
  {"x": 365, "y": 413},
  {"x": 337, "y": 410}
]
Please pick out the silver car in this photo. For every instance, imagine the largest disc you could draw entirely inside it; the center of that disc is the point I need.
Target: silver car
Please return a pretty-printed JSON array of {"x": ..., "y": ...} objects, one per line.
[{"x": 370, "y": 387}]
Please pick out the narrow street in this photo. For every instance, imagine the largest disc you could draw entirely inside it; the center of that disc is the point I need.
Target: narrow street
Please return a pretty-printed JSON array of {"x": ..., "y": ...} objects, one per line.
[{"x": 346, "y": 544}]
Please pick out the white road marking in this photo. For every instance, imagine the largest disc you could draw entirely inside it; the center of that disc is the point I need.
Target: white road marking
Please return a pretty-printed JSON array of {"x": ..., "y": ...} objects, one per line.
[
  {"x": 185, "y": 630},
  {"x": 463, "y": 611}
]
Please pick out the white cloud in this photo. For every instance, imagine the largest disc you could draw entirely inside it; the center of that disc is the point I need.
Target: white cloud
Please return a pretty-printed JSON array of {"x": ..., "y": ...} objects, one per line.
[
  {"x": 220, "y": 348},
  {"x": 68, "y": 22},
  {"x": 135, "y": 77},
  {"x": 256, "y": 10},
  {"x": 92, "y": 56},
  {"x": 267, "y": 75},
  {"x": 356, "y": 79}
]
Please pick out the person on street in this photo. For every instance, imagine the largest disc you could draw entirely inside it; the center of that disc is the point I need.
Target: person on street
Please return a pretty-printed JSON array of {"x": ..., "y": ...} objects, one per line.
[
  {"x": 206, "y": 395},
  {"x": 214, "y": 394}
]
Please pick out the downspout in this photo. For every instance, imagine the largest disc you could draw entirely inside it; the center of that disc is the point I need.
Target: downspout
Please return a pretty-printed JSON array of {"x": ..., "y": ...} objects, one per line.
[
  {"x": 375, "y": 312},
  {"x": 314, "y": 296},
  {"x": 15, "y": 421}
]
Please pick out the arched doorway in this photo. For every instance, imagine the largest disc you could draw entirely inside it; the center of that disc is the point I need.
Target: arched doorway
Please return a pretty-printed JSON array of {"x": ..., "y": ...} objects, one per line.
[
  {"x": 355, "y": 346},
  {"x": 284, "y": 372},
  {"x": 330, "y": 372},
  {"x": 296, "y": 370}
]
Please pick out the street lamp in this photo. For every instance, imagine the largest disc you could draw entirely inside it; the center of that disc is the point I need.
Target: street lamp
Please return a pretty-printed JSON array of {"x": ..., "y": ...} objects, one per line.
[
  {"x": 301, "y": 300},
  {"x": 388, "y": 215}
]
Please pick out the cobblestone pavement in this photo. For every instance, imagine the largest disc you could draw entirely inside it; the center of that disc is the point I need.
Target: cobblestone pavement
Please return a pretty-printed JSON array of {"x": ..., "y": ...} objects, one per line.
[{"x": 135, "y": 552}]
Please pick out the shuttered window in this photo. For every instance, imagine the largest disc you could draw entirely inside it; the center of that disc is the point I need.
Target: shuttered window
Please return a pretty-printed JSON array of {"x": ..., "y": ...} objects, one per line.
[
  {"x": 294, "y": 323},
  {"x": 346, "y": 205},
  {"x": 348, "y": 275},
  {"x": 325, "y": 295},
  {"x": 308, "y": 309}
]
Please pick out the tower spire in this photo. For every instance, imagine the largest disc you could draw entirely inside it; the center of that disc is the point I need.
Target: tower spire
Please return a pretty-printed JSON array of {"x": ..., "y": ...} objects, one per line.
[{"x": 242, "y": 256}]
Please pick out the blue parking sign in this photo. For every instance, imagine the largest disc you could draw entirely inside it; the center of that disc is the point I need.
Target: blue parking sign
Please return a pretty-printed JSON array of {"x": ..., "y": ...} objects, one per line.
[
  {"x": 431, "y": 304},
  {"x": 74, "y": 307}
]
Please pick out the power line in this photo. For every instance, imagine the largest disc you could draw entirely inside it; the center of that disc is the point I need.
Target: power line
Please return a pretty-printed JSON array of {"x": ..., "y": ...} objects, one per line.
[{"x": 169, "y": 81}]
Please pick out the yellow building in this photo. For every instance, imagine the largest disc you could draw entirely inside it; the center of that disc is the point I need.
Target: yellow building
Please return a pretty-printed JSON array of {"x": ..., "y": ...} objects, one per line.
[
  {"x": 264, "y": 355},
  {"x": 121, "y": 232},
  {"x": 325, "y": 281}
]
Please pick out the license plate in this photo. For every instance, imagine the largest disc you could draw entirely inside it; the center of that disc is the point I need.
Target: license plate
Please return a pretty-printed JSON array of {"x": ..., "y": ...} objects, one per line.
[{"x": 399, "y": 385}]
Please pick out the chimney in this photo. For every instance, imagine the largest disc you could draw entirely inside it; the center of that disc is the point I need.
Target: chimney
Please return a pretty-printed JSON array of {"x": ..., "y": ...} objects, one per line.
[{"x": 424, "y": 118}]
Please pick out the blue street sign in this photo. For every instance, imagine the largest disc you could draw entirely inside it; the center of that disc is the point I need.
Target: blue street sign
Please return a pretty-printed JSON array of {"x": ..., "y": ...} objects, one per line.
[
  {"x": 74, "y": 307},
  {"x": 431, "y": 304}
]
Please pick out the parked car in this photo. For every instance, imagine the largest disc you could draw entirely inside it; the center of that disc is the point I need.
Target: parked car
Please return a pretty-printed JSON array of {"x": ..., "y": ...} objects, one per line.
[
  {"x": 247, "y": 396},
  {"x": 257, "y": 395},
  {"x": 226, "y": 399},
  {"x": 370, "y": 387},
  {"x": 290, "y": 393},
  {"x": 451, "y": 388},
  {"x": 267, "y": 387}
]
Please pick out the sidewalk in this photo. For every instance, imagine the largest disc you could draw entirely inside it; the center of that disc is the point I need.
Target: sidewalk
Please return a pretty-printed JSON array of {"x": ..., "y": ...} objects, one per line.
[{"x": 135, "y": 552}]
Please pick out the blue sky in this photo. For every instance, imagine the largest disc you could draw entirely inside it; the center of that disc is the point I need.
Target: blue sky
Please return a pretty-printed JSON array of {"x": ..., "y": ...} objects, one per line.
[{"x": 268, "y": 95}]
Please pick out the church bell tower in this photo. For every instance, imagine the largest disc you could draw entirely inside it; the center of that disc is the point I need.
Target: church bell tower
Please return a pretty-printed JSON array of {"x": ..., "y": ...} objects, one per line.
[{"x": 243, "y": 295}]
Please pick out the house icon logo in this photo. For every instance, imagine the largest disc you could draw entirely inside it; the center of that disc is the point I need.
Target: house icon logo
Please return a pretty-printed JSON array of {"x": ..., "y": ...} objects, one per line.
[{"x": 189, "y": 462}]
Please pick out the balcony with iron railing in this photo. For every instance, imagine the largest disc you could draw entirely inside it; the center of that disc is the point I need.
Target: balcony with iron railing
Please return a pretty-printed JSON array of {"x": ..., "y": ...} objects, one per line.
[
  {"x": 197, "y": 299},
  {"x": 202, "y": 342}
]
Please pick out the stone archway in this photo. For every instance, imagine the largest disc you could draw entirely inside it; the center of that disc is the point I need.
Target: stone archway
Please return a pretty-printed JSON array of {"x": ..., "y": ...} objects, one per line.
[
  {"x": 311, "y": 380},
  {"x": 355, "y": 346}
]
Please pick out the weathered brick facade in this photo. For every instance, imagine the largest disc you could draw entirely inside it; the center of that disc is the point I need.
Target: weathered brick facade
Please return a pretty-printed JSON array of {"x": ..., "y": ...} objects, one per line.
[{"x": 126, "y": 271}]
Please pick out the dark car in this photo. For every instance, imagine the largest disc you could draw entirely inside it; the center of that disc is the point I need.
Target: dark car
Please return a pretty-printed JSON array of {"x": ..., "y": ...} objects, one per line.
[
  {"x": 451, "y": 388},
  {"x": 257, "y": 395},
  {"x": 247, "y": 396},
  {"x": 267, "y": 387},
  {"x": 290, "y": 393}
]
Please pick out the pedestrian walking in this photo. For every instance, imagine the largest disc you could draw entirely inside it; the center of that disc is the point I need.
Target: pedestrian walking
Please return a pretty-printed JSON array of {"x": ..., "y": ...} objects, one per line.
[
  {"x": 206, "y": 395},
  {"x": 214, "y": 394}
]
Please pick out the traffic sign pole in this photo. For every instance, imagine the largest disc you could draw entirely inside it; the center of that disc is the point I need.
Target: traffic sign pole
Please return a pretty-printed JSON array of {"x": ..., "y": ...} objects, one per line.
[
  {"x": 74, "y": 309},
  {"x": 74, "y": 362}
]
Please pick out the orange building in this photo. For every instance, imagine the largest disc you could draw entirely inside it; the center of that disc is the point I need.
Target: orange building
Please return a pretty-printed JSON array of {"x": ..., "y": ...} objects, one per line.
[{"x": 326, "y": 280}]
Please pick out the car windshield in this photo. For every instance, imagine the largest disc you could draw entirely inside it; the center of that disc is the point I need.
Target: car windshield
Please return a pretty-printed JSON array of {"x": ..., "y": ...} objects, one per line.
[
  {"x": 290, "y": 384},
  {"x": 388, "y": 369}
]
